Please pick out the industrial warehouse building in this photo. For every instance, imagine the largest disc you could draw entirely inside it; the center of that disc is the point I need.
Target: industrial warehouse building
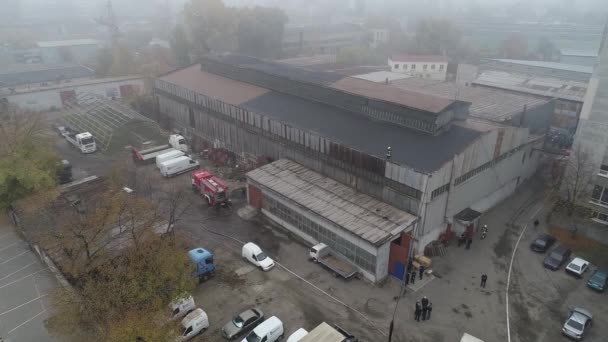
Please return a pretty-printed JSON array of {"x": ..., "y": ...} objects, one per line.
[
  {"x": 445, "y": 169},
  {"x": 319, "y": 209}
]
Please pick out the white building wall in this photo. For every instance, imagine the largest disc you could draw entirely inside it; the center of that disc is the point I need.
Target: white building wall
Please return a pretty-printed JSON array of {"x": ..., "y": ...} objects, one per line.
[
  {"x": 51, "y": 99},
  {"x": 434, "y": 70}
]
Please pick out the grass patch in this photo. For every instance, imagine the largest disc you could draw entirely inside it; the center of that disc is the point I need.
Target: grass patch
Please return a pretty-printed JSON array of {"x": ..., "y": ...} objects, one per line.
[{"x": 582, "y": 246}]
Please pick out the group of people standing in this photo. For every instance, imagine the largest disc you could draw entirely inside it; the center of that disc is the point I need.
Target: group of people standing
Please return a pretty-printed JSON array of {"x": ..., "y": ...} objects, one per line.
[
  {"x": 410, "y": 273},
  {"x": 423, "y": 309}
]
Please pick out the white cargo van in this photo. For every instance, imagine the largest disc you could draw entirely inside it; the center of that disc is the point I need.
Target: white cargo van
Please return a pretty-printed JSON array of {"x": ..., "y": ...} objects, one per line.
[
  {"x": 254, "y": 254},
  {"x": 271, "y": 330},
  {"x": 177, "y": 166},
  {"x": 193, "y": 324},
  {"x": 181, "y": 307},
  {"x": 161, "y": 158}
]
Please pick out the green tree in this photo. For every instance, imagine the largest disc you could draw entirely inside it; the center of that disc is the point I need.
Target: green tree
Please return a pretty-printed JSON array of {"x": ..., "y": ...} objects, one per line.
[
  {"x": 27, "y": 164},
  {"x": 260, "y": 31},
  {"x": 213, "y": 26},
  {"x": 180, "y": 45}
]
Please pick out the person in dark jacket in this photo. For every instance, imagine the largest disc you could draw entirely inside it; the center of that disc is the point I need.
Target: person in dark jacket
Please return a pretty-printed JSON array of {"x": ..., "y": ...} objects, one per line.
[
  {"x": 413, "y": 277},
  {"x": 417, "y": 312},
  {"x": 425, "y": 302},
  {"x": 424, "y": 311},
  {"x": 421, "y": 271},
  {"x": 428, "y": 311},
  {"x": 484, "y": 278},
  {"x": 407, "y": 277},
  {"x": 469, "y": 241}
]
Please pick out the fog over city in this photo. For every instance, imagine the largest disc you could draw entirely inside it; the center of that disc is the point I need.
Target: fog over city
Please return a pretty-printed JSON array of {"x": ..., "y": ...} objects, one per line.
[{"x": 303, "y": 170}]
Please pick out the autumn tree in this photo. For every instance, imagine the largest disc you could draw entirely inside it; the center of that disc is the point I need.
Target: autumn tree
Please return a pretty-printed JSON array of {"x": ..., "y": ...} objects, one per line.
[
  {"x": 515, "y": 46},
  {"x": 181, "y": 46},
  {"x": 572, "y": 186},
  {"x": 212, "y": 24},
  {"x": 27, "y": 164},
  {"x": 123, "y": 270}
]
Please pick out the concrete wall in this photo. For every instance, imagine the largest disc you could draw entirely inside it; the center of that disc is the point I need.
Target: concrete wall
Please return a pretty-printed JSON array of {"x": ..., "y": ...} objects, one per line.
[{"x": 51, "y": 99}]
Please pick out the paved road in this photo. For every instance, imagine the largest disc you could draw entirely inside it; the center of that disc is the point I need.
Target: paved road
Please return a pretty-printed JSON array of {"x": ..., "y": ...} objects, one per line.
[{"x": 24, "y": 288}]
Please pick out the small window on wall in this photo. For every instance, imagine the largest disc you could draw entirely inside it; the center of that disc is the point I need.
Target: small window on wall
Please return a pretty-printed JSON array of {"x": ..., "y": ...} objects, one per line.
[
  {"x": 413, "y": 67},
  {"x": 441, "y": 67},
  {"x": 599, "y": 217},
  {"x": 432, "y": 66},
  {"x": 396, "y": 66}
]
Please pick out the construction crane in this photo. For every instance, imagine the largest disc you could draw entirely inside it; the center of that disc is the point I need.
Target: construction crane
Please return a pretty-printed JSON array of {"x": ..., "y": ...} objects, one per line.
[{"x": 109, "y": 20}]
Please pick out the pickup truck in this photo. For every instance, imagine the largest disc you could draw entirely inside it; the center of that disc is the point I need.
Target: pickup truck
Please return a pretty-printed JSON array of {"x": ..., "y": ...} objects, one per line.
[
  {"x": 204, "y": 267},
  {"x": 83, "y": 141},
  {"x": 323, "y": 255}
]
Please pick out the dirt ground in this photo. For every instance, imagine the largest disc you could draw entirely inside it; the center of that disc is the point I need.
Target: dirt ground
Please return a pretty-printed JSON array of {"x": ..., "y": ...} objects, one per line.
[{"x": 588, "y": 249}]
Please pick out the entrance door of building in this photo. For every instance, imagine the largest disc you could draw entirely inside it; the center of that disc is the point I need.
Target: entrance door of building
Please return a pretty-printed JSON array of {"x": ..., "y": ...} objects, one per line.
[{"x": 399, "y": 252}]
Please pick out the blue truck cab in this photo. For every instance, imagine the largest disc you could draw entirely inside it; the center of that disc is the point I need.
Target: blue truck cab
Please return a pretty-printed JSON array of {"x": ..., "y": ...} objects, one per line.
[{"x": 203, "y": 259}]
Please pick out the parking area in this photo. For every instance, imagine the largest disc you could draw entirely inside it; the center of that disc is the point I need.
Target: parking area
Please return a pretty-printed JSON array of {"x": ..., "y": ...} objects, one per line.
[
  {"x": 25, "y": 284},
  {"x": 303, "y": 294}
]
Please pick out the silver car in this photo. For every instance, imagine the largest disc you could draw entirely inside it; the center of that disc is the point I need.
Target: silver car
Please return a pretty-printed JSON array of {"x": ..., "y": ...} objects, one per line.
[
  {"x": 242, "y": 323},
  {"x": 577, "y": 322}
]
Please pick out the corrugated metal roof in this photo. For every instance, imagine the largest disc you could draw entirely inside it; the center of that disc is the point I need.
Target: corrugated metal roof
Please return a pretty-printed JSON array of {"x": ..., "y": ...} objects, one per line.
[
  {"x": 18, "y": 75},
  {"x": 578, "y": 53},
  {"x": 537, "y": 85},
  {"x": 550, "y": 65},
  {"x": 71, "y": 42},
  {"x": 490, "y": 104},
  {"x": 225, "y": 89},
  {"x": 392, "y": 94},
  {"x": 360, "y": 214}
]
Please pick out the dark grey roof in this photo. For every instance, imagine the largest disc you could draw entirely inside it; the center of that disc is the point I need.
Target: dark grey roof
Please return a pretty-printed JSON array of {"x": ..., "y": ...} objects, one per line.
[
  {"x": 419, "y": 150},
  {"x": 279, "y": 69},
  {"x": 10, "y": 77}
]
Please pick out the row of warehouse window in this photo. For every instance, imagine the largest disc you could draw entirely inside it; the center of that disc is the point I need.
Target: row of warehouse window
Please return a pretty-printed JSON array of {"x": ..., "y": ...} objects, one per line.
[
  {"x": 440, "y": 190},
  {"x": 400, "y": 119},
  {"x": 424, "y": 67},
  {"x": 352, "y": 252},
  {"x": 490, "y": 164}
]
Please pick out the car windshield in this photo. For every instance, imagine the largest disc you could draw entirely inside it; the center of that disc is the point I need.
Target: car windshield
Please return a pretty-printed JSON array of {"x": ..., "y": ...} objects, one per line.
[
  {"x": 238, "y": 321},
  {"x": 540, "y": 242},
  {"x": 598, "y": 277},
  {"x": 261, "y": 256},
  {"x": 182, "y": 141},
  {"x": 575, "y": 267},
  {"x": 574, "y": 324},
  {"x": 253, "y": 337},
  {"x": 87, "y": 141}
]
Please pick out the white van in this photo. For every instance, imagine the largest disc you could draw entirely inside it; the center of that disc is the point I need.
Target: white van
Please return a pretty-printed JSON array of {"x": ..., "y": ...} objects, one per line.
[
  {"x": 297, "y": 335},
  {"x": 254, "y": 254},
  {"x": 271, "y": 330},
  {"x": 177, "y": 166},
  {"x": 161, "y": 158},
  {"x": 193, "y": 324},
  {"x": 181, "y": 307}
]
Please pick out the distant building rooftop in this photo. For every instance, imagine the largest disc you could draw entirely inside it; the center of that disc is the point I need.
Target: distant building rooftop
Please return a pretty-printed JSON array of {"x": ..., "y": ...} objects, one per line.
[
  {"x": 77, "y": 83},
  {"x": 419, "y": 58},
  {"x": 21, "y": 74},
  {"x": 490, "y": 104},
  {"x": 71, "y": 42},
  {"x": 578, "y": 53},
  {"x": 360, "y": 214},
  {"x": 536, "y": 85},
  {"x": 550, "y": 65},
  {"x": 382, "y": 76}
]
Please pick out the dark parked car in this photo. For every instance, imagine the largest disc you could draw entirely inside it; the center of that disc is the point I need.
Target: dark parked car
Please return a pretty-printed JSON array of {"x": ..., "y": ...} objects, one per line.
[
  {"x": 558, "y": 256},
  {"x": 598, "y": 280},
  {"x": 243, "y": 323},
  {"x": 542, "y": 243}
]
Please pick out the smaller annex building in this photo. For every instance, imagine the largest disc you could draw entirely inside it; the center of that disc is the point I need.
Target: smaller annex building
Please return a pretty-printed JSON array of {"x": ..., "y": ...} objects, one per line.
[{"x": 371, "y": 234}]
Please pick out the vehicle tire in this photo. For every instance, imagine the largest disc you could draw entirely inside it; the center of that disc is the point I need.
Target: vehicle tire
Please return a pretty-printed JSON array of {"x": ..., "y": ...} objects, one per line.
[
  {"x": 315, "y": 260},
  {"x": 335, "y": 275},
  {"x": 280, "y": 338}
]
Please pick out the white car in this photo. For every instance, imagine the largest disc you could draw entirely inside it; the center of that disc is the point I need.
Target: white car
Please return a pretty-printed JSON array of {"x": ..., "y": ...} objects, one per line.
[
  {"x": 577, "y": 267},
  {"x": 254, "y": 254},
  {"x": 297, "y": 335},
  {"x": 577, "y": 323}
]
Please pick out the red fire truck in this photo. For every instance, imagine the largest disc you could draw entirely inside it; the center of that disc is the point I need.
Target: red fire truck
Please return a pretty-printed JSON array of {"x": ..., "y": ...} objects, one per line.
[{"x": 211, "y": 188}]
